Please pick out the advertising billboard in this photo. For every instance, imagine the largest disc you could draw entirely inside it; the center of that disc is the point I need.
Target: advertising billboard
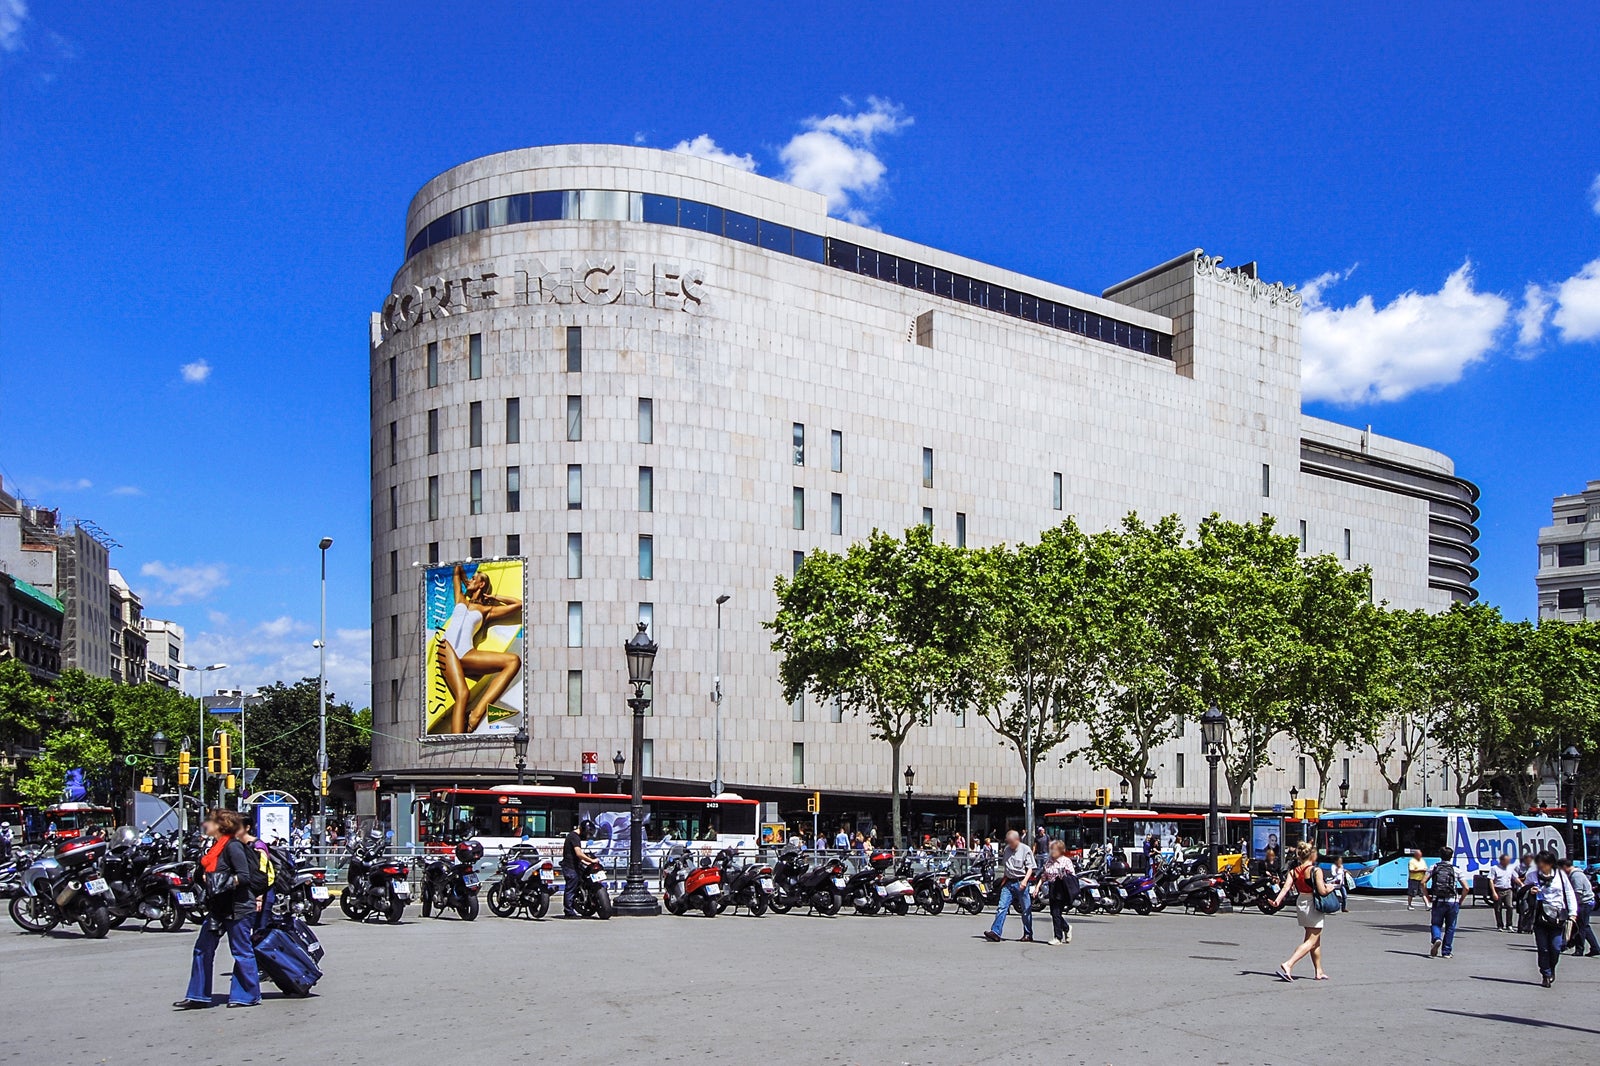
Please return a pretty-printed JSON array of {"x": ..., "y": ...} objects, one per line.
[{"x": 475, "y": 641}]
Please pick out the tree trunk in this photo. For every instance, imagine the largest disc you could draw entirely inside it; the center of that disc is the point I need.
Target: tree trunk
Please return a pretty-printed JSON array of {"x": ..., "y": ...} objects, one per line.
[
  {"x": 894, "y": 793},
  {"x": 1322, "y": 779}
]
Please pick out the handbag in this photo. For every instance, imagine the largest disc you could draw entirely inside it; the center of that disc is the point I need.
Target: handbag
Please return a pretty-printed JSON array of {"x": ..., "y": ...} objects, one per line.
[
  {"x": 1328, "y": 902},
  {"x": 221, "y": 882}
]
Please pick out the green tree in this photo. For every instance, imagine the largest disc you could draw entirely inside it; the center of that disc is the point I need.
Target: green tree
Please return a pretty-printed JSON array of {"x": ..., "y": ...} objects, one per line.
[
  {"x": 1485, "y": 684},
  {"x": 1404, "y": 692},
  {"x": 23, "y": 711},
  {"x": 282, "y": 736}
]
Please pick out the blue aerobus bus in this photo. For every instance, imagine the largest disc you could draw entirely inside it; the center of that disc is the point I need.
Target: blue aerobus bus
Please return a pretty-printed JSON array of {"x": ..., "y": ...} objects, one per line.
[{"x": 1376, "y": 845}]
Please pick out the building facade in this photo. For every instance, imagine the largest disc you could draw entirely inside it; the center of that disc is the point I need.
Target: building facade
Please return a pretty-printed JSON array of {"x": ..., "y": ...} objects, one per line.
[
  {"x": 71, "y": 561},
  {"x": 129, "y": 647},
  {"x": 163, "y": 651},
  {"x": 30, "y": 627},
  {"x": 1569, "y": 558},
  {"x": 660, "y": 380}
]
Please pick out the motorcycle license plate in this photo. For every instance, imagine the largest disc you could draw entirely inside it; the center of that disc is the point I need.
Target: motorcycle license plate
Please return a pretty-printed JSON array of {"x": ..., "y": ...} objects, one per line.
[
  {"x": 402, "y": 890},
  {"x": 548, "y": 877},
  {"x": 883, "y": 890},
  {"x": 598, "y": 877},
  {"x": 470, "y": 880},
  {"x": 186, "y": 899},
  {"x": 838, "y": 882},
  {"x": 713, "y": 890},
  {"x": 98, "y": 886},
  {"x": 319, "y": 892},
  {"x": 766, "y": 883}
]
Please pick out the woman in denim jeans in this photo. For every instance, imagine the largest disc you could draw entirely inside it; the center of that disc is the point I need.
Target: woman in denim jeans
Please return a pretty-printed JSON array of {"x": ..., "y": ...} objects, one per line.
[
  {"x": 1054, "y": 882},
  {"x": 231, "y": 916},
  {"x": 1555, "y": 905}
]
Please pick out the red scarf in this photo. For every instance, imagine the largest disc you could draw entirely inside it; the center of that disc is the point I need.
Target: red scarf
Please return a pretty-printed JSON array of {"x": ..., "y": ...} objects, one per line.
[{"x": 208, "y": 861}]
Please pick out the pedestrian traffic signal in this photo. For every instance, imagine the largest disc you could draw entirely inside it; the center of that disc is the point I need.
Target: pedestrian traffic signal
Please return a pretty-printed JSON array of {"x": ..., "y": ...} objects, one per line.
[
  {"x": 147, "y": 785},
  {"x": 1102, "y": 797},
  {"x": 184, "y": 767},
  {"x": 814, "y": 803},
  {"x": 972, "y": 793},
  {"x": 324, "y": 782}
]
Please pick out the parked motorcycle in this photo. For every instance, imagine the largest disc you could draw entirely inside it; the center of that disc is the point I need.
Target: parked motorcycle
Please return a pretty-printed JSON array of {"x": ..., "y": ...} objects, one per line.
[
  {"x": 308, "y": 897},
  {"x": 927, "y": 887},
  {"x": 874, "y": 888},
  {"x": 376, "y": 882},
  {"x": 977, "y": 888},
  {"x": 66, "y": 887},
  {"x": 1257, "y": 892},
  {"x": 748, "y": 885},
  {"x": 1140, "y": 893},
  {"x": 689, "y": 884},
  {"x": 146, "y": 884},
  {"x": 797, "y": 883},
  {"x": 525, "y": 881},
  {"x": 1197, "y": 891},
  {"x": 453, "y": 885},
  {"x": 591, "y": 898}
]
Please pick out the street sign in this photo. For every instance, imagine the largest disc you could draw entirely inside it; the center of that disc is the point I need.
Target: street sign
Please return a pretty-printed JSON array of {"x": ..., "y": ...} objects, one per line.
[
  {"x": 590, "y": 758},
  {"x": 591, "y": 778}
]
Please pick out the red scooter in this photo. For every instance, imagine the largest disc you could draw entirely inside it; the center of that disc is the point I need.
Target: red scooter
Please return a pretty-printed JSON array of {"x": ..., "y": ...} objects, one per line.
[{"x": 687, "y": 884}]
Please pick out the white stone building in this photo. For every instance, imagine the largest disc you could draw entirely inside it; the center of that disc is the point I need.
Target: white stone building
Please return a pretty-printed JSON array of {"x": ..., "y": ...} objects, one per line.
[
  {"x": 1569, "y": 558},
  {"x": 691, "y": 375}
]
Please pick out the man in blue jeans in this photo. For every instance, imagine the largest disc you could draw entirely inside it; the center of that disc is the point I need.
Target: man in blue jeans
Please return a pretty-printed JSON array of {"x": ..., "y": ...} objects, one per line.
[
  {"x": 1443, "y": 892},
  {"x": 1017, "y": 866}
]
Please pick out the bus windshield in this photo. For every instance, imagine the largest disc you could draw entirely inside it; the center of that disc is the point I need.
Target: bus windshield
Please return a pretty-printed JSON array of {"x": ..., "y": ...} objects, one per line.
[{"x": 1356, "y": 839}]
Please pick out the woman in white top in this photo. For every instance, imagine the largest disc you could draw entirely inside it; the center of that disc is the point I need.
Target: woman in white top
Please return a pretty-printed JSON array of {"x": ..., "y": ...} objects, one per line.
[
  {"x": 460, "y": 659},
  {"x": 1555, "y": 906}
]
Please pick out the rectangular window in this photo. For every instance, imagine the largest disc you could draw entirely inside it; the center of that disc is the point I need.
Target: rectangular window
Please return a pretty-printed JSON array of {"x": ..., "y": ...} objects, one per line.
[
  {"x": 475, "y": 424},
  {"x": 394, "y": 636},
  {"x": 574, "y": 349},
  {"x": 475, "y": 548},
  {"x": 394, "y": 443},
  {"x": 647, "y": 757},
  {"x": 514, "y": 544},
  {"x": 1304, "y": 535},
  {"x": 394, "y": 573},
  {"x": 574, "y": 625},
  {"x": 433, "y": 498},
  {"x": 836, "y": 514},
  {"x": 799, "y": 444},
  {"x": 647, "y": 420},
  {"x": 1569, "y": 554},
  {"x": 513, "y": 488},
  {"x": 647, "y": 615},
  {"x": 961, "y": 530},
  {"x": 575, "y": 693},
  {"x": 927, "y": 468},
  {"x": 574, "y": 555},
  {"x": 1345, "y": 766},
  {"x": 799, "y": 561},
  {"x": 1178, "y": 771},
  {"x": 574, "y": 417},
  {"x": 797, "y": 708},
  {"x": 647, "y": 557},
  {"x": 475, "y": 356},
  {"x": 927, "y": 517},
  {"x": 433, "y": 364},
  {"x": 1300, "y": 771},
  {"x": 1055, "y": 491},
  {"x": 799, "y": 516},
  {"x": 433, "y": 431},
  {"x": 394, "y": 507},
  {"x": 1347, "y": 544},
  {"x": 433, "y": 553},
  {"x": 836, "y": 710},
  {"x": 394, "y": 699},
  {"x": 836, "y": 451},
  {"x": 574, "y": 487},
  {"x": 1266, "y": 479},
  {"x": 394, "y": 379},
  {"x": 475, "y": 491},
  {"x": 1569, "y": 599},
  {"x": 514, "y": 420},
  {"x": 798, "y": 764},
  {"x": 647, "y": 488}
]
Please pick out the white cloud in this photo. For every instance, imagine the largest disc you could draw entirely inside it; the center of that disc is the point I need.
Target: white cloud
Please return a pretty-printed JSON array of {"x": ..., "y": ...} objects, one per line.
[
  {"x": 127, "y": 490},
  {"x": 280, "y": 649},
  {"x": 1363, "y": 353},
  {"x": 836, "y": 156},
  {"x": 182, "y": 584},
  {"x": 13, "y": 13},
  {"x": 706, "y": 148},
  {"x": 1531, "y": 315},
  {"x": 1577, "y": 299},
  {"x": 196, "y": 372}
]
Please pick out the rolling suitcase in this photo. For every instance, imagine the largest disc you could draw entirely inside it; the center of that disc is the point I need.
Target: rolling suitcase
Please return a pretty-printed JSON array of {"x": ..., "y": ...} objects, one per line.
[
  {"x": 302, "y": 934},
  {"x": 281, "y": 958}
]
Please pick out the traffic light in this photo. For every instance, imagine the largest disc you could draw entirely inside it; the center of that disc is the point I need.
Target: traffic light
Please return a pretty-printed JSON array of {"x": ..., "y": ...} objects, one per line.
[
  {"x": 972, "y": 793},
  {"x": 1102, "y": 797},
  {"x": 213, "y": 760},
  {"x": 222, "y": 751},
  {"x": 814, "y": 803},
  {"x": 147, "y": 785},
  {"x": 324, "y": 782},
  {"x": 961, "y": 799},
  {"x": 1311, "y": 810},
  {"x": 1299, "y": 808},
  {"x": 184, "y": 767},
  {"x": 228, "y": 783}
]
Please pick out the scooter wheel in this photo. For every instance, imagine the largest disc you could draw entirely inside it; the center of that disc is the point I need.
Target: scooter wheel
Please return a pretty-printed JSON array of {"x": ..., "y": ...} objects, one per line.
[
  {"x": 969, "y": 901},
  {"x": 675, "y": 906},
  {"x": 934, "y": 904},
  {"x": 469, "y": 909},
  {"x": 780, "y": 902},
  {"x": 898, "y": 906},
  {"x": 314, "y": 913},
  {"x": 829, "y": 903},
  {"x": 95, "y": 923},
  {"x": 758, "y": 904},
  {"x": 539, "y": 906},
  {"x": 171, "y": 919},
  {"x": 1085, "y": 904},
  {"x": 34, "y": 914},
  {"x": 602, "y": 903},
  {"x": 709, "y": 907},
  {"x": 497, "y": 901},
  {"x": 1208, "y": 904},
  {"x": 1267, "y": 906},
  {"x": 393, "y": 915},
  {"x": 1113, "y": 904},
  {"x": 1141, "y": 906}
]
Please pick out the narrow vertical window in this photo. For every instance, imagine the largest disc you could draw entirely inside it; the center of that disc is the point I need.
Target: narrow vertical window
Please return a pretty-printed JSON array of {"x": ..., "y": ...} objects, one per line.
[
  {"x": 513, "y": 488},
  {"x": 475, "y": 424},
  {"x": 514, "y": 420},
  {"x": 836, "y": 514},
  {"x": 647, "y": 488},
  {"x": 574, "y": 625},
  {"x": 394, "y": 636},
  {"x": 927, "y": 468},
  {"x": 647, "y": 420},
  {"x": 1347, "y": 544},
  {"x": 394, "y": 573},
  {"x": 799, "y": 561},
  {"x": 927, "y": 517},
  {"x": 514, "y": 544},
  {"x": 799, "y": 444},
  {"x": 797, "y": 708},
  {"x": 799, "y": 507},
  {"x": 394, "y": 507},
  {"x": 433, "y": 498},
  {"x": 574, "y": 487},
  {"x": 433, "y": 553},
  {"x": 475, "y": 356},
  {"x": 475, "y": 548},
  {"x": 647, "y": 616},
  {"x": 836, "y": 451},
  {"x": 1346, "y": 768},
  {"x": 797, "y": 769},
  {"x": 647, "y": 758},
  {"x": 433, "y": 364},
  {"x": 394, "y": 443},
  {"x": 836, "y": 710},
  {"x": 574, "y": 349},
  {"x": 961, "y": 529},
  {"x": 575, "y": 693},
  {"x": 394, "y": 699},
  {"x": 647, "y": 557},
  {"x": 1300, "y": 771},
  {"x": 574, "y": 417},
  {"x": 1055, "y": 490},
  {"x": 475, "y": 491},
  {"x": 1178, "y": 771},
  {"x": 1304, "y": 535},
  {"x": 1266, "y": 479},
  {"x": 574, "y": 555},
  {"x": 433, "y": 431},
  {"x": 394, "y": 379}
]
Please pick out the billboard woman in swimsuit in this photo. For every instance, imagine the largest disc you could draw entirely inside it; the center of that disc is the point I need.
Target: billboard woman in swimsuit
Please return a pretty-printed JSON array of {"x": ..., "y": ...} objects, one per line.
[{"x": 461, "y": 661}]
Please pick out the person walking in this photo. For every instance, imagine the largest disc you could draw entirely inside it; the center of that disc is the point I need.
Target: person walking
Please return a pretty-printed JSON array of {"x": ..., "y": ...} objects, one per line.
[
  {"x": 1017, "y": 870},
  {"x": 1416, "y": 874},
  {"x": 1058, "y": 883},
  {"x": 1339, "y": 878},
  {"x": 1307, "y": 879},
  {"x": 1555, "y": 908},
  {"x": 841, "y": 840},
  {"x": 1444, "y": 891},
  {"x": 1583, "y": 888},
  {"x": 1525, "y": 875},
  {"x": 233, "y": 879},
  {"x": 1502, "y": 891}
]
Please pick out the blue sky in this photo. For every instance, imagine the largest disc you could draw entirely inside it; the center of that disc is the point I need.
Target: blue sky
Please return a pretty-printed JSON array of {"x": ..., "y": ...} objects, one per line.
[{"x": 203, "y": 202}]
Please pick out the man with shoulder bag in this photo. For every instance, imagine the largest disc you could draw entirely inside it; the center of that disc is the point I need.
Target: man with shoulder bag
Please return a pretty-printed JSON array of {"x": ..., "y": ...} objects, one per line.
[
  {"x": 1582, "y": 931},
  {"x": 1443, "y": 892}
]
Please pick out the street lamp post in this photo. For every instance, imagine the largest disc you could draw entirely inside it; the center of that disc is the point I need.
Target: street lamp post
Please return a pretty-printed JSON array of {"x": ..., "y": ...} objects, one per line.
[
  {"x": 1122, "y": 788},
  {"x": 911, "y": 777},
  {"x": 1344, "y": 794},
  {"x": 201, "y": 700},
  {"x": 716, "y": 700},
  {"x": 1569, "y": 786},
  {"x": 158, "y": 748},
  {"x": 617, "y": 762},
  {"x": 519, "y": 745},
  {"x": 1213, "y": 729},
  {"x": 1149, "y": 786},
  {"x": 636, "y": 899},
  {"x": 183, "y": 808},
  {"x": 322, "y": 697}
]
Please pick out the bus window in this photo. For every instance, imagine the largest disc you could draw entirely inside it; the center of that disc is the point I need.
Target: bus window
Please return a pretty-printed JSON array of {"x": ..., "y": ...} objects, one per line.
[
  {"x": 1357, "y": 840},
  {"x": 1591, "y": 841},
  {"x": 1400, "y": 833}
]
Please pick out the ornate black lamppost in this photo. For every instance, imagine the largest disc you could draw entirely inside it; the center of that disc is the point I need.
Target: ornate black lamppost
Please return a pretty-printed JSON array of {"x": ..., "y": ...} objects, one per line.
[
  {"x": 636, "y": 899},
  {"x": 1569, "y": 785},
  {"x": 1213, "y": 730}
]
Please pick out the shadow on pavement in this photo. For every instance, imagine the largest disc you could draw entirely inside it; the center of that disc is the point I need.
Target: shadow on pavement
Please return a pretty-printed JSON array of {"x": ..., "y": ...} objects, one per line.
[{"x": 1512, "y": 1019}]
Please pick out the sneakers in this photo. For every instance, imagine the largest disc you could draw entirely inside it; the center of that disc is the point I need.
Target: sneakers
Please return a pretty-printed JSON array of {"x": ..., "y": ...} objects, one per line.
[
  {"x": 992, "y": 937},
  {"x": 1433, "y": 952},
  {"x": 1548, "y": 980},
  {"x": 1068, "y": 938},
  {"x": 1052, "y": 942}
]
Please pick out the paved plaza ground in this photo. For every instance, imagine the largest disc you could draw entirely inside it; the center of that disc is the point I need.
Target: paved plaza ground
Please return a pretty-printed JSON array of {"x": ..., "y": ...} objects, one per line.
[{"x": 792, "y": 989}]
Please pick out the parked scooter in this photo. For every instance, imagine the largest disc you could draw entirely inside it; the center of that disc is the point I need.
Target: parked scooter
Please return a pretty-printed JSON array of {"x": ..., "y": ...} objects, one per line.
[
  {"x": 376, "y": 883},
  {"x": 1140, "y": 893},
  {"x": 748, "y": 885},
  {"x": 977, "y": 888},
  {"x": 308, "y": 897},
  {"x": 927, "y": 887},
  {"x": 452, "y": 885},
  {"x": 1197, "y": 891},
  {"x": 874, "y": 888},
  {"x": 526, "y": 882},
  {"x": 797, "y": 883},
  {"x": 689, "y": 884},
  {"x": 66, "y": 887}
]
